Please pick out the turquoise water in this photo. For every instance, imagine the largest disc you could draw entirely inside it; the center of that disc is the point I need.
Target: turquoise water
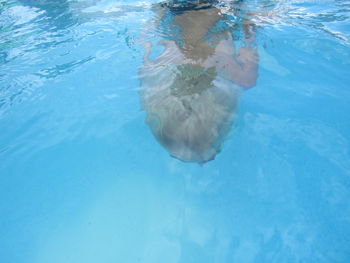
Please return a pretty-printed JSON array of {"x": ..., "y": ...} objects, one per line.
[{"x": 82, "y": 179}]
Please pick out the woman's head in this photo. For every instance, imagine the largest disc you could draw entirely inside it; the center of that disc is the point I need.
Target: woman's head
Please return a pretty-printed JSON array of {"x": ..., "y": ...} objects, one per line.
[{"x": 188, "y": 119}]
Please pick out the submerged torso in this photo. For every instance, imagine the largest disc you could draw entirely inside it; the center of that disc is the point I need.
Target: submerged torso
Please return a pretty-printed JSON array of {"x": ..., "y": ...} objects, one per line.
[{"x": 188, "y": 100}]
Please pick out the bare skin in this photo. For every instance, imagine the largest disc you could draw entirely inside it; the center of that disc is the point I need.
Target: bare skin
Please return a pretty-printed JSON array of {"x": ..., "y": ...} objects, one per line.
[
  {"x": 190, "y": 90},
  {"x": 240, "y": 67}
]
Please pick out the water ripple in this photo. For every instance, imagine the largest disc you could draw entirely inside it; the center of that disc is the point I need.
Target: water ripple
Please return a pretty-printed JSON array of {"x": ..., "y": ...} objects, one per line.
[{"x": 61, "y": 69}]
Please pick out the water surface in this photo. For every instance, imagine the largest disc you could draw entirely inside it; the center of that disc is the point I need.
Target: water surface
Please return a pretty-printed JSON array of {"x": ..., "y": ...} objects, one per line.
[{"x": 82, "y": 179}]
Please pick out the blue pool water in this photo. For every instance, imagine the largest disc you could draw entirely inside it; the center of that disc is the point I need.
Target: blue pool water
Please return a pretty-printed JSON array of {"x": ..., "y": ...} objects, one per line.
[{"x": 82, "y": 179}]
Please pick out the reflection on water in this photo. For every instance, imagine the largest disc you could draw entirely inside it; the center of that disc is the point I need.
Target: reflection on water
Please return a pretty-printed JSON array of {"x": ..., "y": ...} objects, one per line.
[
  {"x": 44, "y": 38},
  {"x": 190, "y": 90},
  {"x": 30, "y": 29},
  {"x": 83, "y": 179}
]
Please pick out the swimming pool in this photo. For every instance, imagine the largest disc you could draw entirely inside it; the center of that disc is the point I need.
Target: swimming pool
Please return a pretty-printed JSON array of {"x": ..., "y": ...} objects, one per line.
[{"x": 82, "y": 179}]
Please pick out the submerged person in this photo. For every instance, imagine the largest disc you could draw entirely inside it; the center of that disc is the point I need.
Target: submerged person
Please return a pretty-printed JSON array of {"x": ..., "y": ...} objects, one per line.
[{"x": 190, "y": 90}]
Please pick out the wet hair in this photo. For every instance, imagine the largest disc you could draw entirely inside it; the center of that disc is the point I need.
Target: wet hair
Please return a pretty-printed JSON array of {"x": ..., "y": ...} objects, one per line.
[{"x": 185, "y": 5}]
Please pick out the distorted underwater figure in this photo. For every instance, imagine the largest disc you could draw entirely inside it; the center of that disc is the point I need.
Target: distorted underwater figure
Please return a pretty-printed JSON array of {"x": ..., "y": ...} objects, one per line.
[{"x": 190, "y": 91}]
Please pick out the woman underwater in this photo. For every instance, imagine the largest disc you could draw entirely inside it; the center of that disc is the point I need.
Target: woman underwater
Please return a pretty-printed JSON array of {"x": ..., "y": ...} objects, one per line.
[{"x": 190, "y": 90}]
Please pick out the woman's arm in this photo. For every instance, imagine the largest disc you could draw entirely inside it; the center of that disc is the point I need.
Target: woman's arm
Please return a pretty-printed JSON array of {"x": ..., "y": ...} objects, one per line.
[{"x": 240, "y": 67}]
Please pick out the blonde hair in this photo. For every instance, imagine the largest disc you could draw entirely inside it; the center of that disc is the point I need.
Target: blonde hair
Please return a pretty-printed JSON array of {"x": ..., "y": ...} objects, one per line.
[{"x": 192, "y": 116}]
